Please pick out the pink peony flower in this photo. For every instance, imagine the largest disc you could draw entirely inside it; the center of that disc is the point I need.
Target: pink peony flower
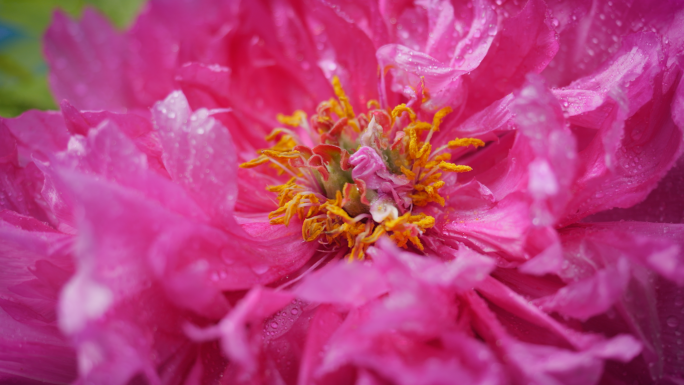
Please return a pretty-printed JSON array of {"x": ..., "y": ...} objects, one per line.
[{"x": 431, "y": 192}]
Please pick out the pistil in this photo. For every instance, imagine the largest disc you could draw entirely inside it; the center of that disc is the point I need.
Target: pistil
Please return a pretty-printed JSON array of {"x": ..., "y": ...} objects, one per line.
[{"x": 359, "y": 177}]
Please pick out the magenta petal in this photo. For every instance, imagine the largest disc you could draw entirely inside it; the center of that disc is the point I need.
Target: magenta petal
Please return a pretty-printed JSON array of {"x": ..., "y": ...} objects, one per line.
[
  {"x": 135, "y": 127},
  {"x": 402, "y": 359},
  {"x": 652, "y": 245},
  {"x": 240, "y": 341},
  {"x": 362, "y": 282},
  {"x": 504, "y": 297},
  {"x": 21, "y": 193},
  {"x": 550, "y": 260},
  {"x": 34, "y": 271},
  {"x": 487, "y": 225},
  {"x": 487, "y": 124},
  {"x": 459, "y": 274},
  {"x": 41, "y": 132},
  {"x": 551, "y": 173},
  {"x": 39, "y": 137},
  {"x": 589, "y": 40},
  {"x": 207, "y": 84},
  {"x": 526, "y": 43},
  {"x": 591, "y": 296},
  {"x": 199, "y": 154},
  {"x": 102, "y": 311},
  {"x": 444, "y": 82},
  {"x": 443, "y": 58},
  {"x": 542, "y": 364},
  {"x": 349, "y": 52},
  {"x": 86, "y": 62},
  {"x": 628, "y": 143},
  {"x": 471, "y": 50},
  {"x": 323, "y": 324}
]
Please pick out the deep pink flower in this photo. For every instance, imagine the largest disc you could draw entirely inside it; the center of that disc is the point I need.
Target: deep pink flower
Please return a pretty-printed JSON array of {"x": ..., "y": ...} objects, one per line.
[{"x": 135, "y": 250}]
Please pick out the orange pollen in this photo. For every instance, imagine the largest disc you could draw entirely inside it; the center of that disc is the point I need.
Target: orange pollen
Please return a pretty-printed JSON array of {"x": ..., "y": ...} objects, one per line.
[{"x": 339, "y": 211}]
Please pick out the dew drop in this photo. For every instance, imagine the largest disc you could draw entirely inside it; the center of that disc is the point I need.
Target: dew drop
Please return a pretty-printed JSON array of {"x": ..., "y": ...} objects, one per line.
[{"x": 672, "y": 322}]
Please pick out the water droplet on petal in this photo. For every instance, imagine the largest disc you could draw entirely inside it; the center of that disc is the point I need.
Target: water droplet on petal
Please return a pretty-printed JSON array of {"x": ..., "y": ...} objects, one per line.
[{"x": 672, "y": 322}]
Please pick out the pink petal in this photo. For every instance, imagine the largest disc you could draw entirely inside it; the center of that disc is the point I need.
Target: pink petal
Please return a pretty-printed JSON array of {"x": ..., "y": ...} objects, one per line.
[
  {"x": 404, "y": 360},
  {"x": 655, "y": 246},
  {"x": 349, "y": 53},
  {"x": 239, "y": 341},
  {"x": 477, "y": 220},
  {"x": 444, "y": 82},
  {"x": 636, "y": 143},
  {"x": 199, "y": 154},
  {"x": 137, "y": 128},
  {"x": 323, "y": 324},
  {"x": 41, "y": 132},
  {"x": 505, "y": 298},
  {"x": 663, "y": 205},
  {"x": 540, "y": 119},
  {"x": 324, "y": 285},
  {"x": 590, "y": 296},
  {"x": 34, "y": 271},
  {"x": 86, "y": 62},
  {"x": 525, "y": 44},
  {"x": 442, "y": 59},
  {"x": 486, "y": 125},
  {"x": 591, "y": 33},
  {"x": 543, "y": 364}
]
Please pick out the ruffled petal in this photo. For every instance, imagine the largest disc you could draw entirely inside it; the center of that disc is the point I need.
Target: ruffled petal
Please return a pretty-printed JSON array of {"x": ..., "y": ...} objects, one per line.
[
  {"x": 199, "y": 154},
  {"x": 331, "y": 284},
  {"x": 344, "y": 51},
  {"x": 551, "y": 173},
  {"x": 35, "y": 268},
  {"x": 241, "y": 331},
  {"x": 652, "y": 245},
  {"x": 590, "y": 33},
  {"x": 627, "y": 141},
  {"x": 486, "y": 225},
  {"x": 544, "y": 364},
  {"x": 526, "y": 43},
  {"x": 436, "y": 65},
  {"x": 590, "y": 296},
  {"x": 663, "y": 205},
  {"x": 87, "y": 62}
]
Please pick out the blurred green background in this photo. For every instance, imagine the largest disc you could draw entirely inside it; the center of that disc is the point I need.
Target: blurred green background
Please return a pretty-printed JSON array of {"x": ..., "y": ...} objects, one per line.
[{"x": 23, "y": 72}]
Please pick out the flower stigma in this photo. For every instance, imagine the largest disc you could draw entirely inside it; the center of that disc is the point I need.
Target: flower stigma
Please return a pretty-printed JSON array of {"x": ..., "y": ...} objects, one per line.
[{"x": 357, "y": 177}]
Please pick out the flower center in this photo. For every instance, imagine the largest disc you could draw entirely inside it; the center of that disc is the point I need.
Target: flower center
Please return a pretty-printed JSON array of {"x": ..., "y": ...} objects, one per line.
[{"x": 358, "y": 177}]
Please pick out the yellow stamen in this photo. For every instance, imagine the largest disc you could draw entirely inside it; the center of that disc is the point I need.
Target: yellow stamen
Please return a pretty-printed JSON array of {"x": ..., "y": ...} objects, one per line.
[
  {"x": 409, "y": 174},
  {"x": 454, "y": 167},
  {"x": 439, "y": 117},
  {"x": 254, "y": 162},
  {"x": 344, "y": 100},
  {"x": 465, "y": 142},
  {"x": 426, "y": 92},
  {"x": 398, "y": 110},
  {"x": 293, "y": 120},
  {"x": 326, "y": 219},
  {"x": 373, "y": 104}
]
